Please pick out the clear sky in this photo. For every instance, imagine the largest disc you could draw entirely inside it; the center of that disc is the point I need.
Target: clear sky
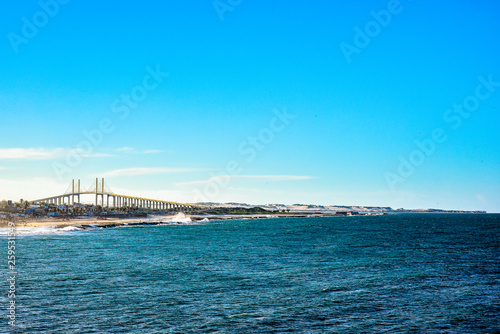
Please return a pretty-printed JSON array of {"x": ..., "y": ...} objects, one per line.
[{"x": 325, "y": 102}]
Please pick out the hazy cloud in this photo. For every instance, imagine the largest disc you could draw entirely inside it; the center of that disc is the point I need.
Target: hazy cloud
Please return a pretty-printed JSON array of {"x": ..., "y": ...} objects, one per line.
[
  {"x": 259, "y": 177},
  {"x": 31, "y": 153},
  {"x": 44, "y": 153},
  {"x": 125, "y": 149},
  {"x": 145, "y": 171}
]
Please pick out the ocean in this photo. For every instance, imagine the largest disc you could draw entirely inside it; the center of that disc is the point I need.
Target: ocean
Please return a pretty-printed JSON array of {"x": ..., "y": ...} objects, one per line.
[{"x": 401, "y": 273}]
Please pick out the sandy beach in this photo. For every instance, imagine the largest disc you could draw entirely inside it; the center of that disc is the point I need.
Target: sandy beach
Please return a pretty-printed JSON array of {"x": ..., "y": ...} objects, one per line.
[
  {"x": 51, "y": 222},
  {"x": 109, "y": 222}
]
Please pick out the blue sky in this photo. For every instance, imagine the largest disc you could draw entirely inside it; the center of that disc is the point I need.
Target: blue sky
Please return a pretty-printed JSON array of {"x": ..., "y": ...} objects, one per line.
[{"x": 353, "y": 117}]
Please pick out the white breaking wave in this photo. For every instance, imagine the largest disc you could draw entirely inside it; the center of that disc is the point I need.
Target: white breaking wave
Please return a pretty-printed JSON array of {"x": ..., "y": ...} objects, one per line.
[
  {"x": 181, "y": 218},
  {"x": 41, "y": 230}
]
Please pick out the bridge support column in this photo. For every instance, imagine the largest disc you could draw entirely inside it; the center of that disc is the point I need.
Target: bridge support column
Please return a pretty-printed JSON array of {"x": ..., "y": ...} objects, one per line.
[{"x": 96, "y": 189}]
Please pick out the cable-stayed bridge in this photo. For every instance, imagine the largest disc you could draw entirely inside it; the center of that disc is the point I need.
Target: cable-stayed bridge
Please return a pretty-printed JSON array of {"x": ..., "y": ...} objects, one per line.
[{"x": 105, "y": 197}]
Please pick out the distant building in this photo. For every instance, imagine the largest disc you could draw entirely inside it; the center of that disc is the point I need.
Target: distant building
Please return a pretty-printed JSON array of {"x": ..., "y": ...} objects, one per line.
[{"x": 343, "y": 213}]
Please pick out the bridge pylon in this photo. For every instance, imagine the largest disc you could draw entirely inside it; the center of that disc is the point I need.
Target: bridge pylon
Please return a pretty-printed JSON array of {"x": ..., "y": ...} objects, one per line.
[{"x": 102, "y": 192}]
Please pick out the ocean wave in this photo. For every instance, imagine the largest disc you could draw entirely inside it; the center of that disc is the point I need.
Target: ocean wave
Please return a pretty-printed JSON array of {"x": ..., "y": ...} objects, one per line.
[{"x": 39, "y": 230}]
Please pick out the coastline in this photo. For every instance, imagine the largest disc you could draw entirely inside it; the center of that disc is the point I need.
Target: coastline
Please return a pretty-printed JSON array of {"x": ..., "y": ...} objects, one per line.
[
  {"x": 94, "y": 222},
  {"x": 83, "y": 223}
]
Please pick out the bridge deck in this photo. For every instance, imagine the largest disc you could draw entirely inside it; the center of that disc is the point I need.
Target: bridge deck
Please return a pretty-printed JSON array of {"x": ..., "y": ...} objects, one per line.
[{"x": 113, "y": 195}]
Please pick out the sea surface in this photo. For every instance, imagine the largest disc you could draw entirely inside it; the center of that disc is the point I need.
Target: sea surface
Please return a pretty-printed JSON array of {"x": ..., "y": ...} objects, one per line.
[{"x": 404, "y": 273}]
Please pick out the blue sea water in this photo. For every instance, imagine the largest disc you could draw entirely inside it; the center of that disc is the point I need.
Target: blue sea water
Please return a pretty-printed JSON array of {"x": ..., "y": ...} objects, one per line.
[{"x": 404, "y": 273}]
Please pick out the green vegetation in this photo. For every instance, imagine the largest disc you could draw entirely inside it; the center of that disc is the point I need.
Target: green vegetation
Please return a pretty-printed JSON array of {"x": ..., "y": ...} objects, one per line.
[{"x": 238, "y": 211}]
